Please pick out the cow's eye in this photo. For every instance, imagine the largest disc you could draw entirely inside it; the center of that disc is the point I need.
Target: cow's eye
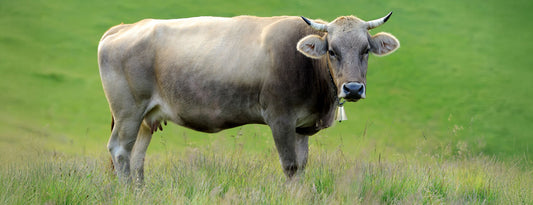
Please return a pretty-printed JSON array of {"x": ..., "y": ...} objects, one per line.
[
  {"x": 366, "y": 51},
  {"x": 332, "y": 53}
]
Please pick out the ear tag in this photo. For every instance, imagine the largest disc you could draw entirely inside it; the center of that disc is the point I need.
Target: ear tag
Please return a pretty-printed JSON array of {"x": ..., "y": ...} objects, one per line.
[{"x": 341, "y": 115}]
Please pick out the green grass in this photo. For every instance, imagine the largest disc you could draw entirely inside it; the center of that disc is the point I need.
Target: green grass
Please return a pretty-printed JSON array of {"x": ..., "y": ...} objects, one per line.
[
  {"x": 463, "y": 66},
  {"x": 446, "y": 119},
  {"x": 230, "y": 176}
]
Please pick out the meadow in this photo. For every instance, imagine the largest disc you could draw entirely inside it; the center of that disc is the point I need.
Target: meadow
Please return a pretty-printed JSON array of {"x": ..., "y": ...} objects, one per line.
[
  {"x": 217, "y": 175},
  {"x": 446, "y": 119}
]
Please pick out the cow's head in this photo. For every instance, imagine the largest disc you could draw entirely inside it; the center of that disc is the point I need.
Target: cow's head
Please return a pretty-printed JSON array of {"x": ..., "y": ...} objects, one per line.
[{"x": 347, "y": 44}]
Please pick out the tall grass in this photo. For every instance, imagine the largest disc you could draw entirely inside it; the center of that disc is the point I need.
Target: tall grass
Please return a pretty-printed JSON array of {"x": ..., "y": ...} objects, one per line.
[{"x": 217, "y": 175}]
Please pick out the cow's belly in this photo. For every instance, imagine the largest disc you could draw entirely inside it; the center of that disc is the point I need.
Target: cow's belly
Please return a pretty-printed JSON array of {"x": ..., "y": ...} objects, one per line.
[
  {"x": 208, "y": 107},
  {"x": 209, "y": 118}
]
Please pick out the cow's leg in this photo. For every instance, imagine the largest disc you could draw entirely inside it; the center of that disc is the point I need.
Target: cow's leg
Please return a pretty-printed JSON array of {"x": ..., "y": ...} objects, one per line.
[
  {"x": 302, "y": 150},
  {"x": 121, "y": 142},
  {"x": 139, "y": 152},
  {"x": 285, "y": 139}
]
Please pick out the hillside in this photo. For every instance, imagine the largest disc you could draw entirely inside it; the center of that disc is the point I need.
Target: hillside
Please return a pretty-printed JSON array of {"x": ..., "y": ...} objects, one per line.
[{"x": 460, "y": 81}]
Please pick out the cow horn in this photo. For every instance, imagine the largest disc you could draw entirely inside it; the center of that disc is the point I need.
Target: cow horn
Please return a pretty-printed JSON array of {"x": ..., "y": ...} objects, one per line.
[
  {"x": 375, "y": 23},
  {"x": 316, "y": 26}
]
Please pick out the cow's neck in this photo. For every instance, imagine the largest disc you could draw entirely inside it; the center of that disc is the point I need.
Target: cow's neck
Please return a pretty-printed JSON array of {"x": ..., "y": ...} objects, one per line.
[
  {"x": 332, "y": 84},
  {"x": 332, "y": 81},
  {"x": 332, "y": 101}
]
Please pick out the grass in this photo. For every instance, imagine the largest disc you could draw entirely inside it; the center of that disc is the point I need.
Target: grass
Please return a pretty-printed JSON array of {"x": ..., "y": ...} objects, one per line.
[{"x": 230, "y": 176}]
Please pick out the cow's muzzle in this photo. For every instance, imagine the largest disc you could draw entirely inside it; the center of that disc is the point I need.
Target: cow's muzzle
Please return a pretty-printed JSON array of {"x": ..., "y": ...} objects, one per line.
[{"x": 353, "y": 91}]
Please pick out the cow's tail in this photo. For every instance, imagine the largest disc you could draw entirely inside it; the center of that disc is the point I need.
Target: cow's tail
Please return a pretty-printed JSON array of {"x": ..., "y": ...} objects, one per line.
[
  {"x": 112, "y": 123},
  {"x": 111, "y": 165}
]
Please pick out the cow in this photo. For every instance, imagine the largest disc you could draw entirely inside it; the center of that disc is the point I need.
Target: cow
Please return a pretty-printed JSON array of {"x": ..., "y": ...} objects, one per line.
[{"x": 215, "y": 73}]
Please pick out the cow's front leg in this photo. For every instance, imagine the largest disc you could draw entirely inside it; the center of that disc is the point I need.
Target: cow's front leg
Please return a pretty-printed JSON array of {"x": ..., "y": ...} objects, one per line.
[
  {"x": 285, "y": 138},
  {"x": 302, "y": 150}
]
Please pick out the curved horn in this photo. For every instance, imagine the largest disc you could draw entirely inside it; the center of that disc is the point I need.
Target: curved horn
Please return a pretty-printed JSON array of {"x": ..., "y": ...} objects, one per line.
[
  {"x": 316, "y": 26},
  {"x": 375, "y": 23}
]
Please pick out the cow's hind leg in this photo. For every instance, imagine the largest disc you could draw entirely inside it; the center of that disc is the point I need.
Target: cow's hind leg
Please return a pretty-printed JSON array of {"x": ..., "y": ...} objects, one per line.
[
  {"x": 139, "y": 152},
  {"x": 121, "y": 143}
]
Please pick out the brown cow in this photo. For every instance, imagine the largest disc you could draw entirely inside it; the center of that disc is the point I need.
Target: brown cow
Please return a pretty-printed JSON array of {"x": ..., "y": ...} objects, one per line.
[{"x": 212, "y": 73}]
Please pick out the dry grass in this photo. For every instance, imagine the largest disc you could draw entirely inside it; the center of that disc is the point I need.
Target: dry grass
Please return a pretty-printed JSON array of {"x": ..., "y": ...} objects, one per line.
[{"x": 215, "y": 175}]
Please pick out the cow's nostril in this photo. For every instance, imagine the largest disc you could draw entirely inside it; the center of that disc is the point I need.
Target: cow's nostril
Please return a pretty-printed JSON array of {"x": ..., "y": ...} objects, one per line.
[
  {"x": 346, "y": 88},
  {"x": 354, "y": 90},
  {"x": 361, "y": 90}
]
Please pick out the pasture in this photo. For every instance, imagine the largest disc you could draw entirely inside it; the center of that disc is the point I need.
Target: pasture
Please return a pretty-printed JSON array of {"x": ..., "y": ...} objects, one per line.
[
  {"x": 446, "y": 119},
  {"x": 225, "y": 175}
]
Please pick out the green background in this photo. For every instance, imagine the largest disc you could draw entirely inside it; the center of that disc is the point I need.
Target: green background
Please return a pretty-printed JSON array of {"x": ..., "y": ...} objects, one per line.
[{"x": 462, "y": 79}]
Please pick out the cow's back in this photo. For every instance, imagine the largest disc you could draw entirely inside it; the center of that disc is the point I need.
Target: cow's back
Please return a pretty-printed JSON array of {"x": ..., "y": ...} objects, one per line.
[
  {"x": 233, "y": 50},
  {"x": 208, "y": 73}
]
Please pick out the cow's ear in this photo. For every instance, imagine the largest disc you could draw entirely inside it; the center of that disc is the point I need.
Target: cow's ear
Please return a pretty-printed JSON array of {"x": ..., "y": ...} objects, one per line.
[
  {"x": 312, "y": 46},
  {"x": 383, "y": 43}
]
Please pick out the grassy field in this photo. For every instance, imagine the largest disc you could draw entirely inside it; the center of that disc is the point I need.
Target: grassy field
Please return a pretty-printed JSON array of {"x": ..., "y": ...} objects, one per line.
[
  {"x": 462, "y": 74},
  {"x": 232, "y": 176},
  {"x": 446, "y": 118}
]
